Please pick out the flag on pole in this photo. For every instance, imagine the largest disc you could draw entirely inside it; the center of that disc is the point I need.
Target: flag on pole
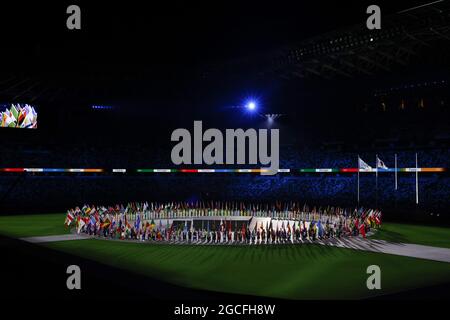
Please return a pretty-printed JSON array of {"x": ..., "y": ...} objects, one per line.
[
  {"x": 417, "y": 181},
  {"x": 396, "y": 183},
  {"x": 69, "y": 218},
  {"x": 363, "y": 165},
  {"x": 137, "y": 224},
  {"x": 362, "y": 229},
  {"x": 93, "y": 221},
  {"x": 380, "y": 164},
  {"x": 80, "y": 224}
]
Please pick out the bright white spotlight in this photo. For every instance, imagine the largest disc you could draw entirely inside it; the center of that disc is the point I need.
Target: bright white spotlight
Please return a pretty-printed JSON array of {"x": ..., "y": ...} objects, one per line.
[{"x": 251, "y": 105}]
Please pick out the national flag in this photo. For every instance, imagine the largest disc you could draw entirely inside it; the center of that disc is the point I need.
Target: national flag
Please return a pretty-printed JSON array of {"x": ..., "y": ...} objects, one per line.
[
  {"x": 69, "y": 218},
  {"x": 14, "y": 111},
  {"x": 378, "y": 218},
  {"x": 320, "y": 228},
  {"x": 80, "y": 224},
  {"x": 380, "y": 164},
  {"x": 28, "y": 121},
  {"x": 363, "y": 165},
  {"x": 105, "y": 223},
  {"x": 137, "y": 224},
  {"x": 362, "y": 230},
  {"x": 152, "y": 224},
  {"x": 8, "y": 121},
  {"x": 21, "y": 117},
  {"x": 171, "y": 228},
  {"x": 87, "y": 209}
]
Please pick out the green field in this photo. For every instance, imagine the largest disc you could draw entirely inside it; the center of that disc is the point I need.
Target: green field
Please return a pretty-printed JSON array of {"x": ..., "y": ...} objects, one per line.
[
  {"x": 33, "y": 225},
  {"x": 53, "y": 224},
  {"x": 291, "y": 271},
  {"x": 408, "y": 233}
]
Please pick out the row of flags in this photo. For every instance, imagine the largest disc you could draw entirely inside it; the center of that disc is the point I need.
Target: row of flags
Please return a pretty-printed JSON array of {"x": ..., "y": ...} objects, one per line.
[
  {"x": 18, "y": 116},
  {"x": 212, "y": 208},
  {"x": 319, "y": 228},
  {"x": 140, "y": 218},
  {"x": 379, "y": 164},
  {"x": 362, "y": 165}
]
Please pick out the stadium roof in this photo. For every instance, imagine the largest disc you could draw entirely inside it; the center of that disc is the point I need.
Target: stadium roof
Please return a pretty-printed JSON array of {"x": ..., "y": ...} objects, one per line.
[
  {"x": 124, "y": 53},
  {"x": 416, "y": 35}
]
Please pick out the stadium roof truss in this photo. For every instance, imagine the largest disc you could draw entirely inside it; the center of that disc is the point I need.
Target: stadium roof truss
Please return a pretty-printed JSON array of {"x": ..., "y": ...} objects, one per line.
[{"x": 405, "y": 37}]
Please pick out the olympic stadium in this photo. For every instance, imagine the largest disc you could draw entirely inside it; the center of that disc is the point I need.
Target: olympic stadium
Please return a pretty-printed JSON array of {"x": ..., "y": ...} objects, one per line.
[{"x": 357, "y": 174}]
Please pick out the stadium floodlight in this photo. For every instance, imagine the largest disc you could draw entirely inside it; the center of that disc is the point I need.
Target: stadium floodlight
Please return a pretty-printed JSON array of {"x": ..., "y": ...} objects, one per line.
[{"x": 251, "y": 105}]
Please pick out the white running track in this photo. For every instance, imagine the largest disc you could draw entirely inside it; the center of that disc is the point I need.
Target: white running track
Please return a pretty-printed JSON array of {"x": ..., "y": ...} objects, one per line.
[{"x": 380, "y": 246}]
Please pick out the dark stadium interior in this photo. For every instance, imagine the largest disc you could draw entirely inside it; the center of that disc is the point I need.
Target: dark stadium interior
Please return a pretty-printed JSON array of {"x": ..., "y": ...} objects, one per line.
[
  {"x": 341, "y": 90},
  {"x": 110, "y": 95}
]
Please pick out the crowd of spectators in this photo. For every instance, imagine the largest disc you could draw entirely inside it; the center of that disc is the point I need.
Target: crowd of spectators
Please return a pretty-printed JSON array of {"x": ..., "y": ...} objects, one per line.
[
  {"x": 25, "y": 192},
  {"x": 61, "y": 191},
  {"x": 291, "y": 157}
]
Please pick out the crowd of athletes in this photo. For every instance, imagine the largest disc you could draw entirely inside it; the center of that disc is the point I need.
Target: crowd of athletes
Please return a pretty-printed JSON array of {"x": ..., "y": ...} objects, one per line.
[{"x": 216, "y": 222}]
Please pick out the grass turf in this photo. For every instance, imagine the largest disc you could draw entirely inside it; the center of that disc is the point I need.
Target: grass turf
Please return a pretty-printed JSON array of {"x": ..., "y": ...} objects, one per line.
[
  {"x": 53, "y": 224},
  {"x": 291, "y": 272},
  {"x": 33, "y": 225},
  {"x": 408, "y": 233}
]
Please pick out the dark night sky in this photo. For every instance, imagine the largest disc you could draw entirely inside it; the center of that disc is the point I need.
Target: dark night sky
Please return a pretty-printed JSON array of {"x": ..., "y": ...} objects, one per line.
[
  {"x": 150, "y": 58},
  {"x": 179, "y": 34}
]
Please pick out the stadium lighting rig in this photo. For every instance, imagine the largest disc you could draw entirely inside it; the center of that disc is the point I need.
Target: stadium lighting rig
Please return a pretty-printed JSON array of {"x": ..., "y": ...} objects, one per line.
[
  {"x": 249, "y": 105},
  {"x": 101, "y": 107},
  {"x": 271, "y": 117},
  {"x": 252, "y": 106}
]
